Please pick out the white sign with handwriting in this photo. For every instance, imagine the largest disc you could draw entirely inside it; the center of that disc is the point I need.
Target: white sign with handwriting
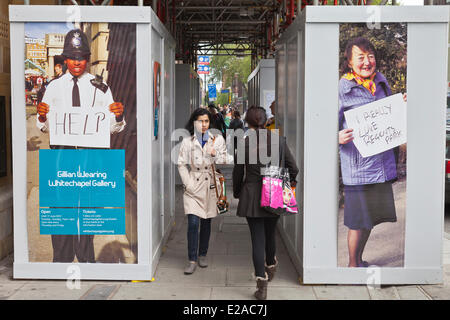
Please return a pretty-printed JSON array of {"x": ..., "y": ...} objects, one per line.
[
  {"x": 378, "y": 126},
  {"x": 82, "y": 127}
]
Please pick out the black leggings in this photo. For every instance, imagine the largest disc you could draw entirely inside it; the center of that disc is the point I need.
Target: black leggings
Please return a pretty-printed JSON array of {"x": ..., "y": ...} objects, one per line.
[{"x": 262, "y": 231}]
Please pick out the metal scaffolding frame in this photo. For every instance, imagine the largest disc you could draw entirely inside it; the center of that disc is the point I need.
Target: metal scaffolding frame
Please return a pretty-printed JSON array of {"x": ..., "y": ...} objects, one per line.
[
  {"x": 204, "y": 26},
  {"x": 256, "y": 23}
]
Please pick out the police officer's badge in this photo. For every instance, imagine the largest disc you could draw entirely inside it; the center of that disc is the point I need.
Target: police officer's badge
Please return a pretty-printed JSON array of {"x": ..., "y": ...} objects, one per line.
[{"x": 76, "y": 40}]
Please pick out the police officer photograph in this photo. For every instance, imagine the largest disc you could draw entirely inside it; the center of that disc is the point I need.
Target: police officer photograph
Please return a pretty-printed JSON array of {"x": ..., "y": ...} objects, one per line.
[
  {"x": 80, "y": 110},
  {"x": 77, "y": 87}
]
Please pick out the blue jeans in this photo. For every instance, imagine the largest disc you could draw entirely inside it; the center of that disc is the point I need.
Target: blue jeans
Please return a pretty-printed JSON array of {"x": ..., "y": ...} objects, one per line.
[{"x": 194, "y": 248}]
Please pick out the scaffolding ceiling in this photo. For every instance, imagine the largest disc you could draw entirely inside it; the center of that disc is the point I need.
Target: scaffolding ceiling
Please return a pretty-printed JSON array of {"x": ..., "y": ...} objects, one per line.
[
  {"x": 211, "y": 27},
  {"x": 219, "y": 22}
]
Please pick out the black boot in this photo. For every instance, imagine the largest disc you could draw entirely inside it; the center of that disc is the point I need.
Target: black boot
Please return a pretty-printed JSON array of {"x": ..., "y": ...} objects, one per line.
[{"x": 261, "y": 285}]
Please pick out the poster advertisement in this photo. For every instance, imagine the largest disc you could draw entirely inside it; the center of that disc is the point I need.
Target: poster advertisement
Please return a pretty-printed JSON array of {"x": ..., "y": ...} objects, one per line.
[
  {"x": 372, "y": 145},
  {"x": 156, "y": 97},
  {"x": 80, "y": 88}
]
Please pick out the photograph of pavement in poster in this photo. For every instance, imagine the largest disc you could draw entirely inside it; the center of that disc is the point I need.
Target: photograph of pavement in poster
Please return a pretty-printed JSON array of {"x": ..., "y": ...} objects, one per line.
[
  {"x": 372, "y": 145},
  {"x": 80, "y": 88}
]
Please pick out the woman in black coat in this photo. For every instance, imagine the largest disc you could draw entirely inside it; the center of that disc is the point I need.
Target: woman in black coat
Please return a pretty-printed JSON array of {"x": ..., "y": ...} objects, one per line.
[{"x": 247, "y": 185}]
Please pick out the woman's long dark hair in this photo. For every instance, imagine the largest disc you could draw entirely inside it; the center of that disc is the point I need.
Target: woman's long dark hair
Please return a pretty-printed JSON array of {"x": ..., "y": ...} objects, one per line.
[
  {"x": 256, "y": 117},
  {"x": 194, "y": 116}
]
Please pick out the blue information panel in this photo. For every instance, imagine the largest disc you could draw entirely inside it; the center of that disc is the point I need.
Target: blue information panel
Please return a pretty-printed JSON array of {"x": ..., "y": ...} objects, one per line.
[
  {"x": 82, "y": 221},
  {"x": 203, "y": 59},
  {"x": 212, "y": 91},
  {"x": 82, "y": 178},
  {"x": 82, "y": 191}
]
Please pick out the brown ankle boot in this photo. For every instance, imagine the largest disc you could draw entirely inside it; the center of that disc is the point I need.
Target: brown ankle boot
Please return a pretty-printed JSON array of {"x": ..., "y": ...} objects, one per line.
[
  {"x": 261, "y": 285},
  {"x": 271, "y": 270}
]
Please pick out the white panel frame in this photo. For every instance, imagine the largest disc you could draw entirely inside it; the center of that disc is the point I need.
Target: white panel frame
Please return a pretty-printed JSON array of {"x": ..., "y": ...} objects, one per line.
[
  {"x": 427, "y": 86},
  {"x": 99, "y": 271},
  {"x": 166, "y": 40}
]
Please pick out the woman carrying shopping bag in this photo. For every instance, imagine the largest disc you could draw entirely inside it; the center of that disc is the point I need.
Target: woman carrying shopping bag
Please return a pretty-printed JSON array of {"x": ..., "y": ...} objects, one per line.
[
  {"x": 198, "y": 152},
  {"x": 247, "y": 185}
]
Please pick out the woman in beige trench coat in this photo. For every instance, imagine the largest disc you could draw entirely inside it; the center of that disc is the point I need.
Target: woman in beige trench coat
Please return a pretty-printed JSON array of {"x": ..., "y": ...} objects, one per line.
[{"x": 197, "y": 154}]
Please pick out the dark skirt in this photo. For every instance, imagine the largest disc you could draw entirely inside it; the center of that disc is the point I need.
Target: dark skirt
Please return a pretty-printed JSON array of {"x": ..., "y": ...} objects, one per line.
[
  {"x": 250, "y": 202},
  {"x": 365, "y": 206}
]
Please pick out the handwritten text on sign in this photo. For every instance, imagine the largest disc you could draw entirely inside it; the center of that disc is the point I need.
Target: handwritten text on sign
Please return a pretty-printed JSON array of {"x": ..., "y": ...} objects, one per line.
[
  {"x": 378, "y": 126},
  {"x": 82, "y": 127}
]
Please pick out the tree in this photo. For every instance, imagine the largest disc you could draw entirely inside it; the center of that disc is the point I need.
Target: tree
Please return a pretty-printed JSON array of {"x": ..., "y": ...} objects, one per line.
[
  {"x": 222, "y": 98},
  {"x": 223, "y": 68}
]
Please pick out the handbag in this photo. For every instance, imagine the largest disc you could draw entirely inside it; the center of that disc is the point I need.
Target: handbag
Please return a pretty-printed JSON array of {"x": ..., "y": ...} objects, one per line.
[
  {"x": 277, "y": 195},
  {"x": 222, "y": 203}
]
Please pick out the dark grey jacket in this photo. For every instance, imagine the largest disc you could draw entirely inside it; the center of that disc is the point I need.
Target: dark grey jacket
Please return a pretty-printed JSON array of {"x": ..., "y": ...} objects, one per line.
[{"x": 247, "y": 181}]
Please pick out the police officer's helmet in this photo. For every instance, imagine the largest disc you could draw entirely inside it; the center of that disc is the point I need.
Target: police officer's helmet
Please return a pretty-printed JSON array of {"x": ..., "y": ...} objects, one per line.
[{"x": 76, "y": 45}]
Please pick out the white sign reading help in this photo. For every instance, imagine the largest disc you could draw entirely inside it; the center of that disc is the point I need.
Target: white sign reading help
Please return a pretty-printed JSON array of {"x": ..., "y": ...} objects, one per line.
[
  {"x": 378, "y": 126},
  {"x": 82, "y": 127}
]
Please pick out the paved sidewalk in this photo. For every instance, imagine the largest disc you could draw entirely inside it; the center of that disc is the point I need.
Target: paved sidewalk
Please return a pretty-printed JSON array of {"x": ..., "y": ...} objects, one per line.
[{"x": 228, "y": 276}]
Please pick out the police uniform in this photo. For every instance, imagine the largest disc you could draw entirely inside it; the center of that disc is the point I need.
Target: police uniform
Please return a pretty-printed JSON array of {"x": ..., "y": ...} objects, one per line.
[
  {"x": 91, "y": 94},
  {"x": 77, "y": 92},
  {"x": 59, "y": 93}
]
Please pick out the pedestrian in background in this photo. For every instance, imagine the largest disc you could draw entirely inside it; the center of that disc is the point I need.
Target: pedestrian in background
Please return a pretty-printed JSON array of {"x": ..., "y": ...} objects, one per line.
[
  {"x": 271, "y": 122},
  {"x": 198, "y": 152},
  {"x": 217, "y": 120},
  {"x": 247, "y": 185},
  {"x": 236, "y": 124}
]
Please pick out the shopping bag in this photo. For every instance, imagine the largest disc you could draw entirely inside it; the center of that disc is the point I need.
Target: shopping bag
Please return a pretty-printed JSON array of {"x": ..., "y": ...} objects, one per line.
[{"x": 277, "y": 195}]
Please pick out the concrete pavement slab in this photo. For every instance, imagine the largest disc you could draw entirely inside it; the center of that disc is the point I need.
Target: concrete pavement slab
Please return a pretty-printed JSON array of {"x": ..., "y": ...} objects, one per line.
[
  {"x": 238, "y": 237},
  {"x": 233, "y": 219},
  {"x": 233, "y": 293},
  {"x": 243, "y": 247},
  {"x": 8, "y": 289},
  {"x": 100, "y": 292},
  {"x": 36, "y": 291},
  {"x": 446, "y": 258},
  {"x": 202, "y": 277},
  {"x": 341, "y": 292},
  {"x": 235, "y": 228},
  {"x": 222, "y": 260},
  {"x": 6, "y": 273},
  {"x": 383, "y": 293},
  {"x": 145, "y": 291},
  {"x": 447, "y": 273},
  {"x": 437, "y": 292},
  {"x": 172, "y": 258},
  {"x": 298, "y": 293},
  {"x": 242, "y": 277},
  {"x": 273, "y": 293},
  {"x": 217, "y": 247},
  {"x": 411, "y": 293},
  {"x": 239, "y": 248},
  {"x": 446, "y": 246}
]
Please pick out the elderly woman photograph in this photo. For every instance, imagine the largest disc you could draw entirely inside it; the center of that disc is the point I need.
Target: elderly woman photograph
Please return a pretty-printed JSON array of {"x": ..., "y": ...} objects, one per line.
[{"x": 369, "y": 198}]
